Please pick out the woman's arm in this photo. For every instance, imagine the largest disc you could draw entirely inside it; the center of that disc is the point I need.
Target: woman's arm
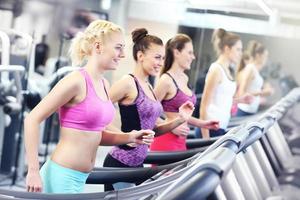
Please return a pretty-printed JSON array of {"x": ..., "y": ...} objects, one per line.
[
  {"x": 110, "y": 138},
  {"x": 112, "y": 128},
  {"x": 213, "y": 78},
  {"x": 242, "y": 96},
  {"x": 243, "y": 82},
  {"x": 120, "y": 89},
  {"x": 62, "y": 93},
  {"x": 168, "y": 126},
  {"x": 162, "y": 88},
  {"x": 161, "y": 91},
  {"x": 185, "y": 112},
  {"x": 207, "y": 124},
  {"x": 266, "y": 91},
  {"x": 182, "y": 129}
]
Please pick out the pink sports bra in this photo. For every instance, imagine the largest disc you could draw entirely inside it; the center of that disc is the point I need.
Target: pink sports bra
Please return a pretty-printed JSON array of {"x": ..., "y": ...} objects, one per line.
[{"x": 91, "y": 114}]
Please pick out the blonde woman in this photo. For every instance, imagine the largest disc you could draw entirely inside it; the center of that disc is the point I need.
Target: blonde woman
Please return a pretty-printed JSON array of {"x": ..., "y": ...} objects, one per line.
[{"x": 85, "y": 111}]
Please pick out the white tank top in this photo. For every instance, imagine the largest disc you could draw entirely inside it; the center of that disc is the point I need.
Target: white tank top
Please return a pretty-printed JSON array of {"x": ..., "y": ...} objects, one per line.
[
  {"x": 255, "y": 85},
  {"x": 221, "y": 103}
]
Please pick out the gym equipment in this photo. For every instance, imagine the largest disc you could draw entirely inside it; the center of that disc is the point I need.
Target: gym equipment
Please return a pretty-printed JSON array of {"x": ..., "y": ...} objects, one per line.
[
  {"x": 206, "y": 174},
  {"x": 11, "y": 104}
]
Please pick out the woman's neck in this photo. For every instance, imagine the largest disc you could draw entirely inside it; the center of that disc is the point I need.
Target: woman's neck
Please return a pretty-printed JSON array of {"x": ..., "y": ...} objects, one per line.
[
  {"x": 257, "y": 64},
  {"x": 224, "y": 61},
  {"x": 140, "y": 73},
  {"x": 94, "y": 70},
  {"x": 176, "y": 69}
]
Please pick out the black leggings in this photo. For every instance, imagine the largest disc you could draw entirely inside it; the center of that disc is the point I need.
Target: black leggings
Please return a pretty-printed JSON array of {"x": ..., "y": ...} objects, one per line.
[
  {"x": 217, "y": 133},
  {"x": 112, "y": 162}
]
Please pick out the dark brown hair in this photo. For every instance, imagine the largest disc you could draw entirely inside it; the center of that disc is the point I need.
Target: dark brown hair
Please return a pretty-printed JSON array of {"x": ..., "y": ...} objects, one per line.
[
  {"x": 221, "y": 39},
  {"x": 178, "y": 42},
  {"x": 242, "y": 64},
  {"x": 142, "y": 41}
]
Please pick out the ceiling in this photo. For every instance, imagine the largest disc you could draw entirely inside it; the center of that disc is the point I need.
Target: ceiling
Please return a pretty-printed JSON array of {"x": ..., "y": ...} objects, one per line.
[
  {"x": 283, "y": 12},
  {"x": 288, "y": 11},
  {"x": 266, "y": 17}
]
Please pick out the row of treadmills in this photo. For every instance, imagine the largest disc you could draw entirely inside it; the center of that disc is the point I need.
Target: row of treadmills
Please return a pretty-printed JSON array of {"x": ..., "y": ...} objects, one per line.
[{"x": 253, "y": 161}]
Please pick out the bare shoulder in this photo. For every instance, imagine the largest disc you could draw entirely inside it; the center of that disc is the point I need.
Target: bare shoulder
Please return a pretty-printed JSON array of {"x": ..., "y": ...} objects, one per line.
[
  {"x": 124, "y": 84},
  {"x": 214, "y": 75},
  {"x": 249, "y": 69},
  {"x": 165, "y": 80},
  {"x": 214, "y": 69},
  {"x": 128, "y": 81},
  {"x": 73, "y": 80}
]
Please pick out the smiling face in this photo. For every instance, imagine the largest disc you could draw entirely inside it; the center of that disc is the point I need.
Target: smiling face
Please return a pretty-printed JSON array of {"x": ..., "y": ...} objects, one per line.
[
  {"x": 112, "y": 50},
  {"x": 152, "y": 59},
  {"x": 185, "y": 57}
]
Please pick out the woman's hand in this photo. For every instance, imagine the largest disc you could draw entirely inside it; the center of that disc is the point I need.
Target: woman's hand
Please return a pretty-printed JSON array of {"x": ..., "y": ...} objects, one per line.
[
  {"x": 246, "y": 98},
  {"x": 142, "y": 136},
  {"x": 182, "y": 130},
  {"x": 210, "y": 124},
  {"x": 186, "y": 110},
  {"x": 268, "y": 90},
  {"x": 33, "y": 181}
]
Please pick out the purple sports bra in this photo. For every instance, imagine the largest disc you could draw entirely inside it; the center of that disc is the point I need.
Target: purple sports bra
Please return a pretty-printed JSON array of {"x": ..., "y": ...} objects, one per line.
[
  {"x": 91, "y": 114},
  {"x": 173, "y": 104},
  {"x": 141, "y": 114}
]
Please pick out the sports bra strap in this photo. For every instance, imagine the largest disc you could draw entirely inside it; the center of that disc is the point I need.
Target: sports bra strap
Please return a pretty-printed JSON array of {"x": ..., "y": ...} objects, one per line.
[
  {"x": 172, "y": 79},
  {"x": 150, "y": 87},
  {"x": 105, "y": 89},
  {"x": 139, "y": 87},
  {"x": 136, "y": 81}
]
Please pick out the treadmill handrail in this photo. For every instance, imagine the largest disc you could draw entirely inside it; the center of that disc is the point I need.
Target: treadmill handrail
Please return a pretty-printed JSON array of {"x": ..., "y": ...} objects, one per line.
[
  {"x": 113, "y": 174},
  {"x": 219, "y": 161},
  {"x": 214, "y": 166},
  {"x": 200, "y": 142},
  {"x": 161, "y": 157}
]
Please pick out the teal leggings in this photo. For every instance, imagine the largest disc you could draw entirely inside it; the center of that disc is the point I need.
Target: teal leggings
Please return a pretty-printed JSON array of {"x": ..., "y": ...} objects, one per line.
[{"x": 59, "y": 179}]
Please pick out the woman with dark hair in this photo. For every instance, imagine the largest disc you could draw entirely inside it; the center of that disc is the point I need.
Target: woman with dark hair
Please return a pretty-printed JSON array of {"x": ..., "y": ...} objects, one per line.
[
  {"x": 172, "y": 90},
  {"x": 220, "y": 85},
  {"x": 250, "y": 80},
  {"x": 139, "y": 106}
]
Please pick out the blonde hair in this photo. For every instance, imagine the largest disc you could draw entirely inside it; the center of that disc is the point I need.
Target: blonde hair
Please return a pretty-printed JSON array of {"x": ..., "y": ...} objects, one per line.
[{"x": 97, "y": 30}]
